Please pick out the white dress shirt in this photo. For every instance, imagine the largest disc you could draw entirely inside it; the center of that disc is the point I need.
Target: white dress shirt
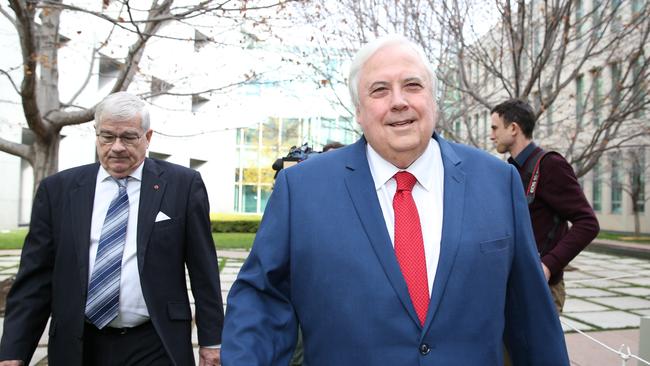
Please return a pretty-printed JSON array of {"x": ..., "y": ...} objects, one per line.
[
  {"x": 428, "y": 194},
  {"x": 133, "y": 310}
]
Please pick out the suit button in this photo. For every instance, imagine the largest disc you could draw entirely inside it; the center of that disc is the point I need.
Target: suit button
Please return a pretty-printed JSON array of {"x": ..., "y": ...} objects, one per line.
[{"x": 424, "y": 349}]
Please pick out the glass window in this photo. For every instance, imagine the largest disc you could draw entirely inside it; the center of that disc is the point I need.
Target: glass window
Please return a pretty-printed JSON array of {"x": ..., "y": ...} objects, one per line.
[
  {"x": 596, "y": 15},
  {"x": 251, "y": 136},
  {"x": 597, "y": 188},
  {"x": 597, "y": 101},
  {"x": 291, "y": 132},
  {"x": 638, "y": 92},
  {"x": 615, "y": 71},
  {"x": 270, "y": 132},
  {"x": 549, "y": 112},
  {"x": 236, "y": 203},
  {"x": 616, "y": 13},
  {"x": 578, "y": 18},
  {"x": 616, "y": 184},
  {"x": 636, "y": 7},
  {"x": 638, "y": 179},
  {"x": 265, "y": 193},
  {"x": 580, "y": 99},
  {"x": 250, "y": 198}
]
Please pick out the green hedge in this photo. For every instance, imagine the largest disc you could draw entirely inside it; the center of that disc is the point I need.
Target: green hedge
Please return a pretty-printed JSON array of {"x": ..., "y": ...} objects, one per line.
[{"x": 232, "y": 223}]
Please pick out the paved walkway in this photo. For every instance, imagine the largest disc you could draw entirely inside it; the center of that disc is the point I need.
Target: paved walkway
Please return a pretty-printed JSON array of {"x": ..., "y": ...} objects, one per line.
[{"x": 606, "y": 297}]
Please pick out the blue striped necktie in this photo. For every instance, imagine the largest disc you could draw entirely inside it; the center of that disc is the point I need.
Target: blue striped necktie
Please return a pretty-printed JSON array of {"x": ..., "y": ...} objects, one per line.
[{"x": 103, "y": 300}]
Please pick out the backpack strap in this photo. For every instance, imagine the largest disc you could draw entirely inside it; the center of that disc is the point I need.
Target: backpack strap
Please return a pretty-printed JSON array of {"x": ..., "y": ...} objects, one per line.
[
  {"x": 532, "y": 168},
  {"x": 532, "y": 174}
]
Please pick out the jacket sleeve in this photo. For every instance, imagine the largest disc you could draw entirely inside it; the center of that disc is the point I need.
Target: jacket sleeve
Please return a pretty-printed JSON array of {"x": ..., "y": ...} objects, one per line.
[
  {"x": 559, "y": 188},
  {"x": 28, "y": 301},
  {"x": 202, "y": 266},
  {"x": 533, "y": 334},
  {"x": 261, "y": 326}
]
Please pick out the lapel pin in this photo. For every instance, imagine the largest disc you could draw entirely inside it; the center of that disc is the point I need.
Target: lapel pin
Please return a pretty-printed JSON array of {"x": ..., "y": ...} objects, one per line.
[{"x": 155, "y": 186}]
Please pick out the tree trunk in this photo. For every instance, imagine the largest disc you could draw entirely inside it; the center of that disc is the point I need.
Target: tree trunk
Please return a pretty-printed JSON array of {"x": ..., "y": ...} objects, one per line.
[
  {"x": 637, "y": 224},
  {"x": 45, "y": 158}
]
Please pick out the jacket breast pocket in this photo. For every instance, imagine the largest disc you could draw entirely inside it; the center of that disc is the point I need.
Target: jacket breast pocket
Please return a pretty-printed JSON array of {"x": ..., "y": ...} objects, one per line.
[
  {"x": 166, "y": 224},
  {"x": 493, "y": 246}
]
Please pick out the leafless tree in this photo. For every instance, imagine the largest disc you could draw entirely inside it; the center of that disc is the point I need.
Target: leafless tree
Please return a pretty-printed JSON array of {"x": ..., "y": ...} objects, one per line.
[
  {"x": 584, "y": 69},
  {"x": 37, "y": 24}
]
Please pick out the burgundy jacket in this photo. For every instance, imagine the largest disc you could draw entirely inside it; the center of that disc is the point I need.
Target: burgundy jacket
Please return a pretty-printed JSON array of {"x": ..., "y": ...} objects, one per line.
[{"x": 558, "y": 192}]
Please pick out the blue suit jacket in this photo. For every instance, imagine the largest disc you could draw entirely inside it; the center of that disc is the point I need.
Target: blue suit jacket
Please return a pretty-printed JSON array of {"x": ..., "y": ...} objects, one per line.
[{"x": 323, "y": 258}]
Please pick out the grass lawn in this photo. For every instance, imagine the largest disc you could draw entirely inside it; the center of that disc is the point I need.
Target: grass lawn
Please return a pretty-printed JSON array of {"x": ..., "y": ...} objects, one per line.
[
  {"x": 14, "y": 240},
  {"x": 233, "y": 240},
  {"x": 626, "y": 237}
]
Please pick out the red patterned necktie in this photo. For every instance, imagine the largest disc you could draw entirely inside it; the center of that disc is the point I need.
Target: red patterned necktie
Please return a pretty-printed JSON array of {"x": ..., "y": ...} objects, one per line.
[{"x": 409, "y": 246}]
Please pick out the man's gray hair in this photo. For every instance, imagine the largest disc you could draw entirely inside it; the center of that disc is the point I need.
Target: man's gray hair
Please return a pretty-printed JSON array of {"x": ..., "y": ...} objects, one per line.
[
  {"x": 122, "y": 106},
  {"x": 370, "y": 48}
]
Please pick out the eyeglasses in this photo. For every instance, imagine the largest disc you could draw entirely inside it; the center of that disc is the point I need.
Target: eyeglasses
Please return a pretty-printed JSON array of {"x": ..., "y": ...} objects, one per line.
[{"x": 126, "y": 139}]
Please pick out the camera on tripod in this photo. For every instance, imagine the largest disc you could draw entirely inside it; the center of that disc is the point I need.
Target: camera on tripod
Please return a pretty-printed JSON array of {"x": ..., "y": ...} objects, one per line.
[{"x": 296, "y": 154}]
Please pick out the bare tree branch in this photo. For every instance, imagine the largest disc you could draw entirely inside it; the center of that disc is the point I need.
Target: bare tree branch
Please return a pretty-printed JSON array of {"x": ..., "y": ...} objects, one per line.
[
  {"x": 14, "y": 148},
  {"x": 25, "y": 19},
  {"x": 10, "y": 80}
]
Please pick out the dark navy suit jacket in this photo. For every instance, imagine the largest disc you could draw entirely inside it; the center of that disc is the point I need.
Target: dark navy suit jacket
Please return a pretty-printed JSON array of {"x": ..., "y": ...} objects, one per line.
[
  {"x": 53, "y": 274},
  {"x": 323, "y": 258}
]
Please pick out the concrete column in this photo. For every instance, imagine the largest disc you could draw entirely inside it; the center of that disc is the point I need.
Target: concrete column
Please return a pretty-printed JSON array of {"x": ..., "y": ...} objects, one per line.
[{"x": 644, "y": 340}]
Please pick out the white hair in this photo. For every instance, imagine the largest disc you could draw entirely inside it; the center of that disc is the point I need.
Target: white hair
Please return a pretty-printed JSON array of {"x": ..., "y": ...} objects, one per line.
[
  {"x": 122, "y": 106},
  {"x": 370, "y": 48}
]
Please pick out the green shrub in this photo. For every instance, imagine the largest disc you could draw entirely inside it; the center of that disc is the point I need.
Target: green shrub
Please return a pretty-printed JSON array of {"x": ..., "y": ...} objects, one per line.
[{"x": 235, "y": 223}]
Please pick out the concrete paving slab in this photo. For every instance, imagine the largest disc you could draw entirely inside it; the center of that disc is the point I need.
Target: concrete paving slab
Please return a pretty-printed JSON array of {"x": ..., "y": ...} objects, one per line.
[
  {"x": 586, "y": 352},
  {"x": 614, "y": 319},
  {"x": 620, "y": 266},
  {"x": 639, "y": 281},
  {"x": 611, "y": 274},
  {"x": 572, "y": 284},
  {"x": 641, "y": 312},
  {"x": 570, "y": 325},
  {"x": 623, "y": 302},
  {"x": 632, "y": 261},
  {"x": 590, "y": 292},
  {"x": 635, "y": 291},
  {"x": 579, "y": 275},
  {"x": 584, "y": 267},
  {"x": 575, "y": 305},
  {"x": 601, "y": 283},
  {"x": 228, "y": 277},
  {"x": 39, "y": 355}
]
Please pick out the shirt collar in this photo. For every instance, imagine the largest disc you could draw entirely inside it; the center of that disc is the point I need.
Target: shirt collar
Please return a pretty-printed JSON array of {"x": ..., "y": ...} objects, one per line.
[
  {"x": 102, "y": 175},
  {"x": 382, "y": 171},
  {"x": 520, "y": 159}
]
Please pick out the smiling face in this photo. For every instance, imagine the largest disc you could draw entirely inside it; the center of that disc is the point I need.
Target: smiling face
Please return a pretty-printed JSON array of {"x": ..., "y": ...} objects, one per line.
[
  {"x": 396, "y": 106},
  {"x": 121, "y": 159}
]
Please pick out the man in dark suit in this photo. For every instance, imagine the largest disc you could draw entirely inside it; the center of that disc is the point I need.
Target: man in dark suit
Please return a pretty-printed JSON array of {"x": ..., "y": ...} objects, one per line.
[
  {"x": 106, "y": 253},
  {"x": 557, "y": 200},
  {"x": 400, "y": 249}
]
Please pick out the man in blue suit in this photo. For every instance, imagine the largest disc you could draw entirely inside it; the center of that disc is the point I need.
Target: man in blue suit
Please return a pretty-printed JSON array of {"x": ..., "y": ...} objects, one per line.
[{"x": 377, "y": 272}]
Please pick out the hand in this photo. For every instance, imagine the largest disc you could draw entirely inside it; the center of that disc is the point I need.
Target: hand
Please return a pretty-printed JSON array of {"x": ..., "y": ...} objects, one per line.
[
  {"x": 12, "y": 363},
  {"x": 207, "y": 357},
  {"x": 547, "y": 274}
]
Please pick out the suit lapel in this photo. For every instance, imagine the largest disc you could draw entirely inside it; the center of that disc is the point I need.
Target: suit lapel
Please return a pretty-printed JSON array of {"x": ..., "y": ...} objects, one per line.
[
  {"x": 80, "y": 200},
  {"x": 152, "y": 189},
  {"x": 453, "y": 203},
  {"x": 360, "y": 186}
]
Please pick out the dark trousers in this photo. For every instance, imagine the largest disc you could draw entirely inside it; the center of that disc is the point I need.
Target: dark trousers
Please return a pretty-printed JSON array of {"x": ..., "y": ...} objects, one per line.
[{"x": 138, "y": 346}]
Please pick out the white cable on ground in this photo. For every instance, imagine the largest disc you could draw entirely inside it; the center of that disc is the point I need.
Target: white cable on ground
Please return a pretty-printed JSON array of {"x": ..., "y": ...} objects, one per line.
[
  {"x": 621, "y": 354},
  {"x": 642, "y": 273}
]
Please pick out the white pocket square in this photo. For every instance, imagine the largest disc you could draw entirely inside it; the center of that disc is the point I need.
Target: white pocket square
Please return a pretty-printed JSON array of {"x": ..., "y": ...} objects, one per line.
[{"x": 161, "y": 217}]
